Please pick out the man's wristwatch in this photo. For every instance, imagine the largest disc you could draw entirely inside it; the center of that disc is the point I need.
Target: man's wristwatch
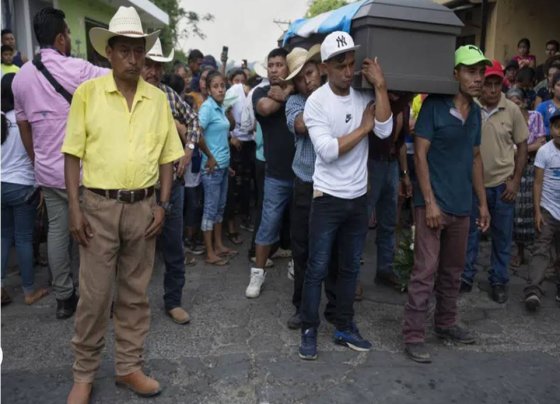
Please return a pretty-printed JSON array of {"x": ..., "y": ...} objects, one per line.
[
  {"x": 190, "y": 145},
  {"x": 403, "y": 173},
  {"x": 166, "y": 206}
]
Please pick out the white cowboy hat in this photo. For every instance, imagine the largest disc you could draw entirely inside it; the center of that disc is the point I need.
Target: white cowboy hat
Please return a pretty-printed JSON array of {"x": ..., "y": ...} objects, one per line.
[
  {"x": 298, "y": 57},
  {"x": 156, "y": 53},
  {"x": 261, "y": 70},
  {"x": 125, "y": 22}
]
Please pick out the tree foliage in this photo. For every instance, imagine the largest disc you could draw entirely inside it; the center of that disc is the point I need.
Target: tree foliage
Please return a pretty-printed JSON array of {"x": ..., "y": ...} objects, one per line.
[
  {"x": 182, "y": 24},
  {"x": 321, "y": 6}
]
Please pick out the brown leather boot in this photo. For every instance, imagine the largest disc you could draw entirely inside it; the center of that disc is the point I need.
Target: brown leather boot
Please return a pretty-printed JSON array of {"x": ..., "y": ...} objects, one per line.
[
  {"x": 139, "y": 383},
  {"x": 35, "y": 296},
  {"x": 179, "y": 315},
  {"x": 80, "y": 393}
]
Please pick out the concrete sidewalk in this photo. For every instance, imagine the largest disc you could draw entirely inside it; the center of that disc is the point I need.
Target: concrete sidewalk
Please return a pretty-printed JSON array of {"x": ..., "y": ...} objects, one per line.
[{"x": 238, "y": 350}]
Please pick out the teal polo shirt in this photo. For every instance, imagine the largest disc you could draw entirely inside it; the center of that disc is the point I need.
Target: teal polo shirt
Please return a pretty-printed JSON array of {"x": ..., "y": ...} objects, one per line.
[
  {"x": 213, "y": 120},
  {"x": 450, "y": 157}
]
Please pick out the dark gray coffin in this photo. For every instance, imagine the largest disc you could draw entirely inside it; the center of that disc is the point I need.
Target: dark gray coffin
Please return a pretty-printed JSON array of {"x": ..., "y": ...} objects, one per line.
[{"x": 413, "y": 39}]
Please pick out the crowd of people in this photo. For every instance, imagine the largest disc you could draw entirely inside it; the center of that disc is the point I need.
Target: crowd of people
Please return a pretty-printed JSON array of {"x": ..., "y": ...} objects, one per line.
[{"x": 157, "y": 155}]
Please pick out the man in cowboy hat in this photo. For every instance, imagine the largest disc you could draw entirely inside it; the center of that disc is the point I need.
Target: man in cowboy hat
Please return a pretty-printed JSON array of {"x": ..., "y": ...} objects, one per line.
[
  {"x": 305, "y": 74},
  {"x": 121, "y": 130},
  {"x": 41, "y": 113},
  {"x": 170, "y": 242}
]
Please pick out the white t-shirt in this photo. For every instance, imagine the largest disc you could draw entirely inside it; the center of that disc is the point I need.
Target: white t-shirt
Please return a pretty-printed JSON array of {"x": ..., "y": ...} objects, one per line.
[
  {"x": 16, "y": 165},
  {"x": 192, "y": 180},
  {"x": 548, "y": 158},
  {"x": 237, "y": 92},
  {"x": 327, "y": 117}
]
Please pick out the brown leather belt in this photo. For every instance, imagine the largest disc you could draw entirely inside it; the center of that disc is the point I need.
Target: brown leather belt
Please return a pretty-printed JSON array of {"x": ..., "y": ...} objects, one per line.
[{"x": 124, "y": 195}]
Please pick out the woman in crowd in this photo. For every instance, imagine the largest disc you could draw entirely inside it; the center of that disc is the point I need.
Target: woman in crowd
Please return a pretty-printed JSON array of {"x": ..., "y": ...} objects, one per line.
[
  {"x": 193, "y": 181},
  {"x": 547, "y": 108},
  {"x": 216, "y": 125},
  {"x": 544, "y": 93},
  {"x": 524, "y": 57},
  {"x": 525, "y": 80},
  {"x": 523, "y": 225},
  {"x": 19, "y": 200}
]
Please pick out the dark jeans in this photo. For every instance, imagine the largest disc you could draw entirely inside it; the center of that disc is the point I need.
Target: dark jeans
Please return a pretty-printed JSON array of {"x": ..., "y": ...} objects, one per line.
[
  {"x": 239, "y": 192},
  {"x": 170, "y": 244},
  {"x": 18, "y": 219},
  {"x": 193, "y": 206},
  {"x": 541, "y": 254},
  {"x": 300, "y": 212},
  {"x": 501, "y": 232},
  {"x": 344, "y": 222},
  {"x": 383, "y": 195}
]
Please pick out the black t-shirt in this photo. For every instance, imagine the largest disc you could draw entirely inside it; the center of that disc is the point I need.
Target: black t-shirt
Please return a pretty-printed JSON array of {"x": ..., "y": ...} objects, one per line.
[
  {"x": 279, "y": 146},
  {"x": 388, "y": 148}
]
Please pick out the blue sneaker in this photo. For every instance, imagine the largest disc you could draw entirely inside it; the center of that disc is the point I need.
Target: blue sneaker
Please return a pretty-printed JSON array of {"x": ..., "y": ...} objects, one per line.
[
  {"x": 352, "y": 339},
  {"x": 308, "y": 347}
]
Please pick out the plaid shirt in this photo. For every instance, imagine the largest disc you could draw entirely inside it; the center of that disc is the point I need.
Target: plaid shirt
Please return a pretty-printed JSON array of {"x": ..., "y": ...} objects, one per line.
[
  {"x": 182, "y": 112},
  {"x": 304, "y": 158}
]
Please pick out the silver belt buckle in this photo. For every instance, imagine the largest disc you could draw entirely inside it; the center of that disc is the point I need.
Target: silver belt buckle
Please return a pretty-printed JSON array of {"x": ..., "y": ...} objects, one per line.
[{"x": 119, "y": 195}]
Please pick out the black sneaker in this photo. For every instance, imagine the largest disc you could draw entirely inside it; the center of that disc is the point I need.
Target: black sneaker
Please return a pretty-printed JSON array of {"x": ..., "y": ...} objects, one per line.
[
  {"x": 455, "y": 334},
  {"x": 465, "y": 287},
  {"x": 248, "y": 226},
  {"x": 352, "y": 339},
  {"x": 418, "y": 352},
  {"x": 294, "y": 323},
  {"x": 533, "y": 302},
  {"x": 308, "y": 347},
  {"x": 387, "y": 279},
  {"x": 66, "y": 308},
  {"x": 194, "y": 248},
  {"x": 499, "y": 294}
]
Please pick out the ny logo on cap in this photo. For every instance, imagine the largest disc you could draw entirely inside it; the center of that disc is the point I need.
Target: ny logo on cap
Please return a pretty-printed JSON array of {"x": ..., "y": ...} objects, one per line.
[{"x": 341, "y": 41}]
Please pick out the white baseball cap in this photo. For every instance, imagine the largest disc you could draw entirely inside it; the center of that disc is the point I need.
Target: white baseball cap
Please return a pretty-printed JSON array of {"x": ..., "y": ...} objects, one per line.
[{"x": 336, "y": 43}]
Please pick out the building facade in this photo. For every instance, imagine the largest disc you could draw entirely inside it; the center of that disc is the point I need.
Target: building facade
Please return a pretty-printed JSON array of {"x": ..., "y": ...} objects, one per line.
[
  {"x": 81, "y": 16},
  {"x": 497, "y": 25}
]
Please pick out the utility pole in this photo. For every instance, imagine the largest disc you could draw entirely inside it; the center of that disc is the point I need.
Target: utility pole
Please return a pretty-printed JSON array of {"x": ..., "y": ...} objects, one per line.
[{"x": 283, "y": 25}]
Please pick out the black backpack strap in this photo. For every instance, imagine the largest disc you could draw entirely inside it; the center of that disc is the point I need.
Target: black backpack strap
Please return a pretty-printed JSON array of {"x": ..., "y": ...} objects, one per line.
[{"x": 59, "y": 89}]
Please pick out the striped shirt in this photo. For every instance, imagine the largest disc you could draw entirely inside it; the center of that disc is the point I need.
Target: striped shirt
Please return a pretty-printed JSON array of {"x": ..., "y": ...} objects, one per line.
[
  {"x": 304, "y": 158},
  {"x": 182, "y": 112}
]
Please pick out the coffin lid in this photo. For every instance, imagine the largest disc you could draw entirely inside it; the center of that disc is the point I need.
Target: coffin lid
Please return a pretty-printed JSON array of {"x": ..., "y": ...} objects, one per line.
[{"x": 425, "y": 11}]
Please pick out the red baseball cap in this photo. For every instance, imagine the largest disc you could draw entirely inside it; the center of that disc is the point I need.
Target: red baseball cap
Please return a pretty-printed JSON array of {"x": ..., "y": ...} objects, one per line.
[{"x": 495, "y": 70}]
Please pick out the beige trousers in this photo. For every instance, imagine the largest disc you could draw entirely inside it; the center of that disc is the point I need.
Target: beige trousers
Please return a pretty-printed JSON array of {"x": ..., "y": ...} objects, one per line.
[{"x": 117, "y": 262}]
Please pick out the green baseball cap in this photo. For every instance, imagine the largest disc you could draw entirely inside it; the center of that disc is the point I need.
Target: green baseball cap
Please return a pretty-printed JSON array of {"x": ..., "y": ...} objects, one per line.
[{"x": 469, "y": 55}]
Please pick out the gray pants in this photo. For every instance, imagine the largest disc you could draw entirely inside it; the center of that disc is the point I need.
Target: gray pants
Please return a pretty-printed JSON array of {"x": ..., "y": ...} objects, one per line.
[
  {"x": 541, "y": 255},
  {"x": 62, "y": 250}
]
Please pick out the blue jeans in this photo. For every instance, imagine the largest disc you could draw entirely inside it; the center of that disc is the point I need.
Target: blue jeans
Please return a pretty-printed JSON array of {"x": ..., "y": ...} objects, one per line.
[
  {"x": 215, "y": 197},
  {"x": 18, "y": 220},
  {"x": 277, "y": 198},
  {"x": 384, "y": 182},
  {"x": 170, "y": 244},
  {"x": 501, "y": 232},
  {"x": 343, "y": 220}
]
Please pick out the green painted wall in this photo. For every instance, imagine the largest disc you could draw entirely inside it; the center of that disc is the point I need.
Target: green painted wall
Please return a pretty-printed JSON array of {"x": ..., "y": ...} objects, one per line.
[{"x": 76, "y": 11}]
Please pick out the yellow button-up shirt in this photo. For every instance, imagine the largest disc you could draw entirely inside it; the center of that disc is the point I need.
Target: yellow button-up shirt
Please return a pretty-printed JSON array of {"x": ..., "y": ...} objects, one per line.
[{"x": 120, "y": 148}]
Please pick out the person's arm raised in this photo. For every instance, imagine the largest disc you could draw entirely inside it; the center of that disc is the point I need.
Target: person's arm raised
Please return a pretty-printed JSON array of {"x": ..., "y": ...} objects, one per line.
[
  {"x": 372, "y": 71},
  {"x": 274, "y": 100}
]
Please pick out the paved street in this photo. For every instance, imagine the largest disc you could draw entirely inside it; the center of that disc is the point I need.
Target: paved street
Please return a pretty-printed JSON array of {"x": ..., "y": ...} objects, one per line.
[{"x": 240, "y": 351}]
